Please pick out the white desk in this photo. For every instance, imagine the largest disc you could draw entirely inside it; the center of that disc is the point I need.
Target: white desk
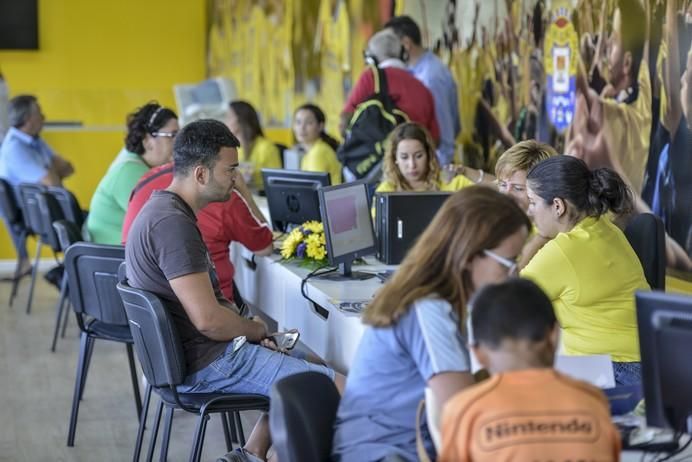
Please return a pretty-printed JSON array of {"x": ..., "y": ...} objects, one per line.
[{"x": 273, "y": 288}]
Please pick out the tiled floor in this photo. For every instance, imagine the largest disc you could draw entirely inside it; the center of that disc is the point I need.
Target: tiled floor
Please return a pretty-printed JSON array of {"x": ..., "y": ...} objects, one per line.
[{"x": 36, "y": 389}]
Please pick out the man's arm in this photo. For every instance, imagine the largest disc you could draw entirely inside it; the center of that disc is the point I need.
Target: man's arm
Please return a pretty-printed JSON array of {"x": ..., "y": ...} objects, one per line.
[
  {"x": 63, "y": 167},
  {"x": 246, "y": 196},
  {"x": 196, "y": 294}
]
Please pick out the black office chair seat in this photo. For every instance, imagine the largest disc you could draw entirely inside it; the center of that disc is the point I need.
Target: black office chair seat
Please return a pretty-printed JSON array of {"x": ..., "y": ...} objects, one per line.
[{"x": 106, "y": 331}]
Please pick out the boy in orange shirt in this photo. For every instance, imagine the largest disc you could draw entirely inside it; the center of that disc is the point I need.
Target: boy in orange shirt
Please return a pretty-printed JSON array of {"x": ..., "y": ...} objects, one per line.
[{"x": 526, "y": 410}]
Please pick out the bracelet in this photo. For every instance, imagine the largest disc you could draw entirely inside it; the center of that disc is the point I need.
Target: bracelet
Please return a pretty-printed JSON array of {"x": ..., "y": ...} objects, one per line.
[{"x": 481, "y": 175}]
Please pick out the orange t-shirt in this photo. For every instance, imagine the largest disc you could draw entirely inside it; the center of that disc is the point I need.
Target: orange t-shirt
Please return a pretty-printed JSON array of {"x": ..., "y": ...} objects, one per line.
[{"x": 534, "y": 414}]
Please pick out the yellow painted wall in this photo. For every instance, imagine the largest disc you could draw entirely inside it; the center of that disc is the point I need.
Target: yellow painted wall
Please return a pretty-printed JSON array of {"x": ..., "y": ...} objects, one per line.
[{"x": 98, "y": 60}]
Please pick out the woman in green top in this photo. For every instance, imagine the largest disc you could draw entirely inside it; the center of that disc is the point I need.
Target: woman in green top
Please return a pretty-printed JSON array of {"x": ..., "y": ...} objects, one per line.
[
  {"x": 243, "y": 121},
  {"x": 149, "y": 143}
]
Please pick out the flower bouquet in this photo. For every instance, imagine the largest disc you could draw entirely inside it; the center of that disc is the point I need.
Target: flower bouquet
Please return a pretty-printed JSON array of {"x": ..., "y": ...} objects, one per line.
[{"x": 306, "y": 243}]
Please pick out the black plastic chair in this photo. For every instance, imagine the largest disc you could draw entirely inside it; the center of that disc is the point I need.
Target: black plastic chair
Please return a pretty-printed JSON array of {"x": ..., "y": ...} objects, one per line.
[
  {"x": 10, "y": 209},
  {"x": 92, "y": 272},
  {"x": 27, "y": 193},
  {"x": 161, "y": 356},
  {"x": 67, "y": 233},
  {"x": 302, "y": 417},
  {"x": 647, "y": 236},
  {"x": 70, "y": 205}
]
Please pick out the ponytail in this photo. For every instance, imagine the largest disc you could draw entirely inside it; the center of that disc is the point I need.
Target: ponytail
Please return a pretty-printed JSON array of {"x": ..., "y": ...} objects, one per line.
[
  {"x": 608, "y": 192},
  {"x": 592, "y": 193}
]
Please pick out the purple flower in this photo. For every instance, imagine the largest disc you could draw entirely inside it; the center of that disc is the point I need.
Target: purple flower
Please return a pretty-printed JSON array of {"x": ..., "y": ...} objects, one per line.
[
  {"x": 300, "y": 250},
  {"x": 306, "y": 232}
]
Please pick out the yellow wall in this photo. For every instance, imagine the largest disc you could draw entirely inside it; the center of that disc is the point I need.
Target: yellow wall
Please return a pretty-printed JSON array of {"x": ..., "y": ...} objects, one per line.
[{"x": 98, "y": 61}]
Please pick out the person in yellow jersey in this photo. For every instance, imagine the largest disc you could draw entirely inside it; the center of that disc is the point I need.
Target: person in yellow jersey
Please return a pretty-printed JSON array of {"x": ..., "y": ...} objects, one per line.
[
  {"x": 511, "y": 170},
  {"x": 410, "y": 164},
  {"x": 243, "y": 121},
  {"x": 588, "y": 268},
  {"x": 319, "y": 147}
]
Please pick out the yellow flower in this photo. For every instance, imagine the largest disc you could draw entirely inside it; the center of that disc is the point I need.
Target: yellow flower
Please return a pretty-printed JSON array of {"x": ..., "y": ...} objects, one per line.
[
  {"x": 290, "y": 243},
  {"x": 313, "y": 226},
  {"x": 315, "y": 246}
]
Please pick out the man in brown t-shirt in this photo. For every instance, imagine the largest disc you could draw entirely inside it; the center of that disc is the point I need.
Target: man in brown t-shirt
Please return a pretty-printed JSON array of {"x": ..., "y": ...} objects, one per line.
[
  {"x": 166, "y": 255},
  {"x": 526, "y": 410}
]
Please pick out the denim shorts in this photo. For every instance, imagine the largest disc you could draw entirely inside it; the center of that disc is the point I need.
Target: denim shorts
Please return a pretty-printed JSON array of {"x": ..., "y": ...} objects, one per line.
[
  {"x": 627, "y": 373},
  {"x": 251, "y": 369}
]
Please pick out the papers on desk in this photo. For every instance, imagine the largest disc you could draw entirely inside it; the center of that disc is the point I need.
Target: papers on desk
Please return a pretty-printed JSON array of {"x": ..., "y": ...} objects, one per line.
[
  {"x": 353, "y": 307},
  {"x": 595, "y": 369}
]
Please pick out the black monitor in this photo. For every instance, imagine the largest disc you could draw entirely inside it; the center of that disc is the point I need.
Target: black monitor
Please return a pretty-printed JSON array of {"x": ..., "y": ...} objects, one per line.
[
  {"x": 665, "y": 342},
  {"x": 292, "y": 196},
  {"x": 347, "y": 227},
  {"x": 400, "y": 218}
]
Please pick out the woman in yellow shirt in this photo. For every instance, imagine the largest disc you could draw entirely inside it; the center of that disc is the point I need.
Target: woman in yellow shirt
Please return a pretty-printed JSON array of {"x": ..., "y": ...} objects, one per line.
[
  {"x": 588, "y": 268},
  {"x": 410, "y": 163},
  {"x": 243, "y": 121},
  {"x": 319, "y": 147}
]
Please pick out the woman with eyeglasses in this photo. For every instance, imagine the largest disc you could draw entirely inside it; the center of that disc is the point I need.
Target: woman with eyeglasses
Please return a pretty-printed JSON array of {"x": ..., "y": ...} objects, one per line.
[
  {"x": 151, "y": 131},
  {"x": 511, "y": 170},
  {"x": 244, "y": 123},
  {"x": 588, "y": 268},
  {"x": 416, "y": 336}
]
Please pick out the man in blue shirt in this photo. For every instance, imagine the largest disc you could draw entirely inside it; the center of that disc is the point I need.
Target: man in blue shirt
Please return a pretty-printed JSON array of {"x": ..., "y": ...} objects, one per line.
[
  {"x": 26, "y": 158},
  {"x": 427, "y": 68}
]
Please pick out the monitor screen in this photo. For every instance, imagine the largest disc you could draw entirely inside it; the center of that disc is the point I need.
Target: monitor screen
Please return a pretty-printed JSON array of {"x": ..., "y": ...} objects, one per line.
[
  {"x": 347, "y": 222},
  {"x": 292, "y": 196},
  {"x": 19, "y": 25},
  {"x": 665, "y": 338}
]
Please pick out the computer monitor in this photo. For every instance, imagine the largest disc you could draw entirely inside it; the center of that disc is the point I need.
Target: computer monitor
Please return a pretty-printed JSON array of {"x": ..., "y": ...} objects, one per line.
[
  {"x": 347, "y": 227},
  {"x": 292, "y": 196},
  {"x": 665, "y": 340}
]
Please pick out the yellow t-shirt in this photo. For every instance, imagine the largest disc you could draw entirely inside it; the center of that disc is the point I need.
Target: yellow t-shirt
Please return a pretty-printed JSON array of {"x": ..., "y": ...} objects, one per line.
[
  {"x": 627, "y": 128},
  {"x": 264, "y": 154},
  {"x": 591, "y": 273},
  {"x": 457, "y": 183},
  {"x": 322, "y": 158}
]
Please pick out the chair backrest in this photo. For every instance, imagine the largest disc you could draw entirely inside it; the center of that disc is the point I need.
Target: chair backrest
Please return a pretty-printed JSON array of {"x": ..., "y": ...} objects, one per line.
[
  {"x": 647, "y": 236},
  {"x": 301, "y": 417},
  {"x": 67, "y": 232},
  {"x": 70, "y": 206},
  {"x": 27, "y": 200},
  {"x": 92, "y": 276},
  {"x": 50, "y": 211},
  {"x": 156, "y": 339},
  {"x": 9, "y": 207}
]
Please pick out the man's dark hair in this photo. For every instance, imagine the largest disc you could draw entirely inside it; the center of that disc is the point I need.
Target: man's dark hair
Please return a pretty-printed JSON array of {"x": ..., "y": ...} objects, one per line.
[
  {"x": 405, "y": 26},
  {"x": 19, "y": 109},
  {"x": 199, "y": 143},
  {"x": 633, "y": 32},
  {"x": 516, "y": 309}
]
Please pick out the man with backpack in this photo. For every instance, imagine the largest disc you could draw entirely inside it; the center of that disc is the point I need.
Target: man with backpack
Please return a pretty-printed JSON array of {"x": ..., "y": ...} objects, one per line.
[{"x": 385, "y": 95}]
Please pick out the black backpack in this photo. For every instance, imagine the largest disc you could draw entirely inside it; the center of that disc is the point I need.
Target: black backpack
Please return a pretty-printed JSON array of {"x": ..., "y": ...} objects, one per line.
[{"x": 371, "y": 123}]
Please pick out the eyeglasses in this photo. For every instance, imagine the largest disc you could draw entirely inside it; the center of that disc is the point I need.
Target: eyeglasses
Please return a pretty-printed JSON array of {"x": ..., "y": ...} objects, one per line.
[
  {"x": 165, "y": 134},
  {"x": 511, "y": 265}
]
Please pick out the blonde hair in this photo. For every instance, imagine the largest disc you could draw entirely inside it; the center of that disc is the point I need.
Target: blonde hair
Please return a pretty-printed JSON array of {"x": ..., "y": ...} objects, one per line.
[
  {"x": 391, "y": 172},
  {"x": 523, "y": 156},
  {"x": 470, "y": 221}
]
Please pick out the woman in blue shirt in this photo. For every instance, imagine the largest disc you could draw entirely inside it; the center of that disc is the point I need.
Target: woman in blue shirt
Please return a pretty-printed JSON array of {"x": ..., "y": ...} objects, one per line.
[{"x": 415, "y": 339}]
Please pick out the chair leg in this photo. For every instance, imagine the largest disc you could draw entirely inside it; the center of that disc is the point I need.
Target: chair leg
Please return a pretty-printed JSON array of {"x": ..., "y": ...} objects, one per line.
[
  {"x": 87, "y": 363},
  {"x": 163, "y": 455},
  {"x": 142, "y": 425},
  {"x": 83, "y": 348},
  {"x": 155, "y": 432},
  {"x": 198, "y": 442},
  {"x": 65, "y": 319},
  {"x": 225, "y": 418},
  {"x": 239, "y": 428},
  {"x": 15, "y": 287},
  {"x": 59, "y": 310},
  {"x": 34, "y": 270},
  {"x": 133, "y": 377}
]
